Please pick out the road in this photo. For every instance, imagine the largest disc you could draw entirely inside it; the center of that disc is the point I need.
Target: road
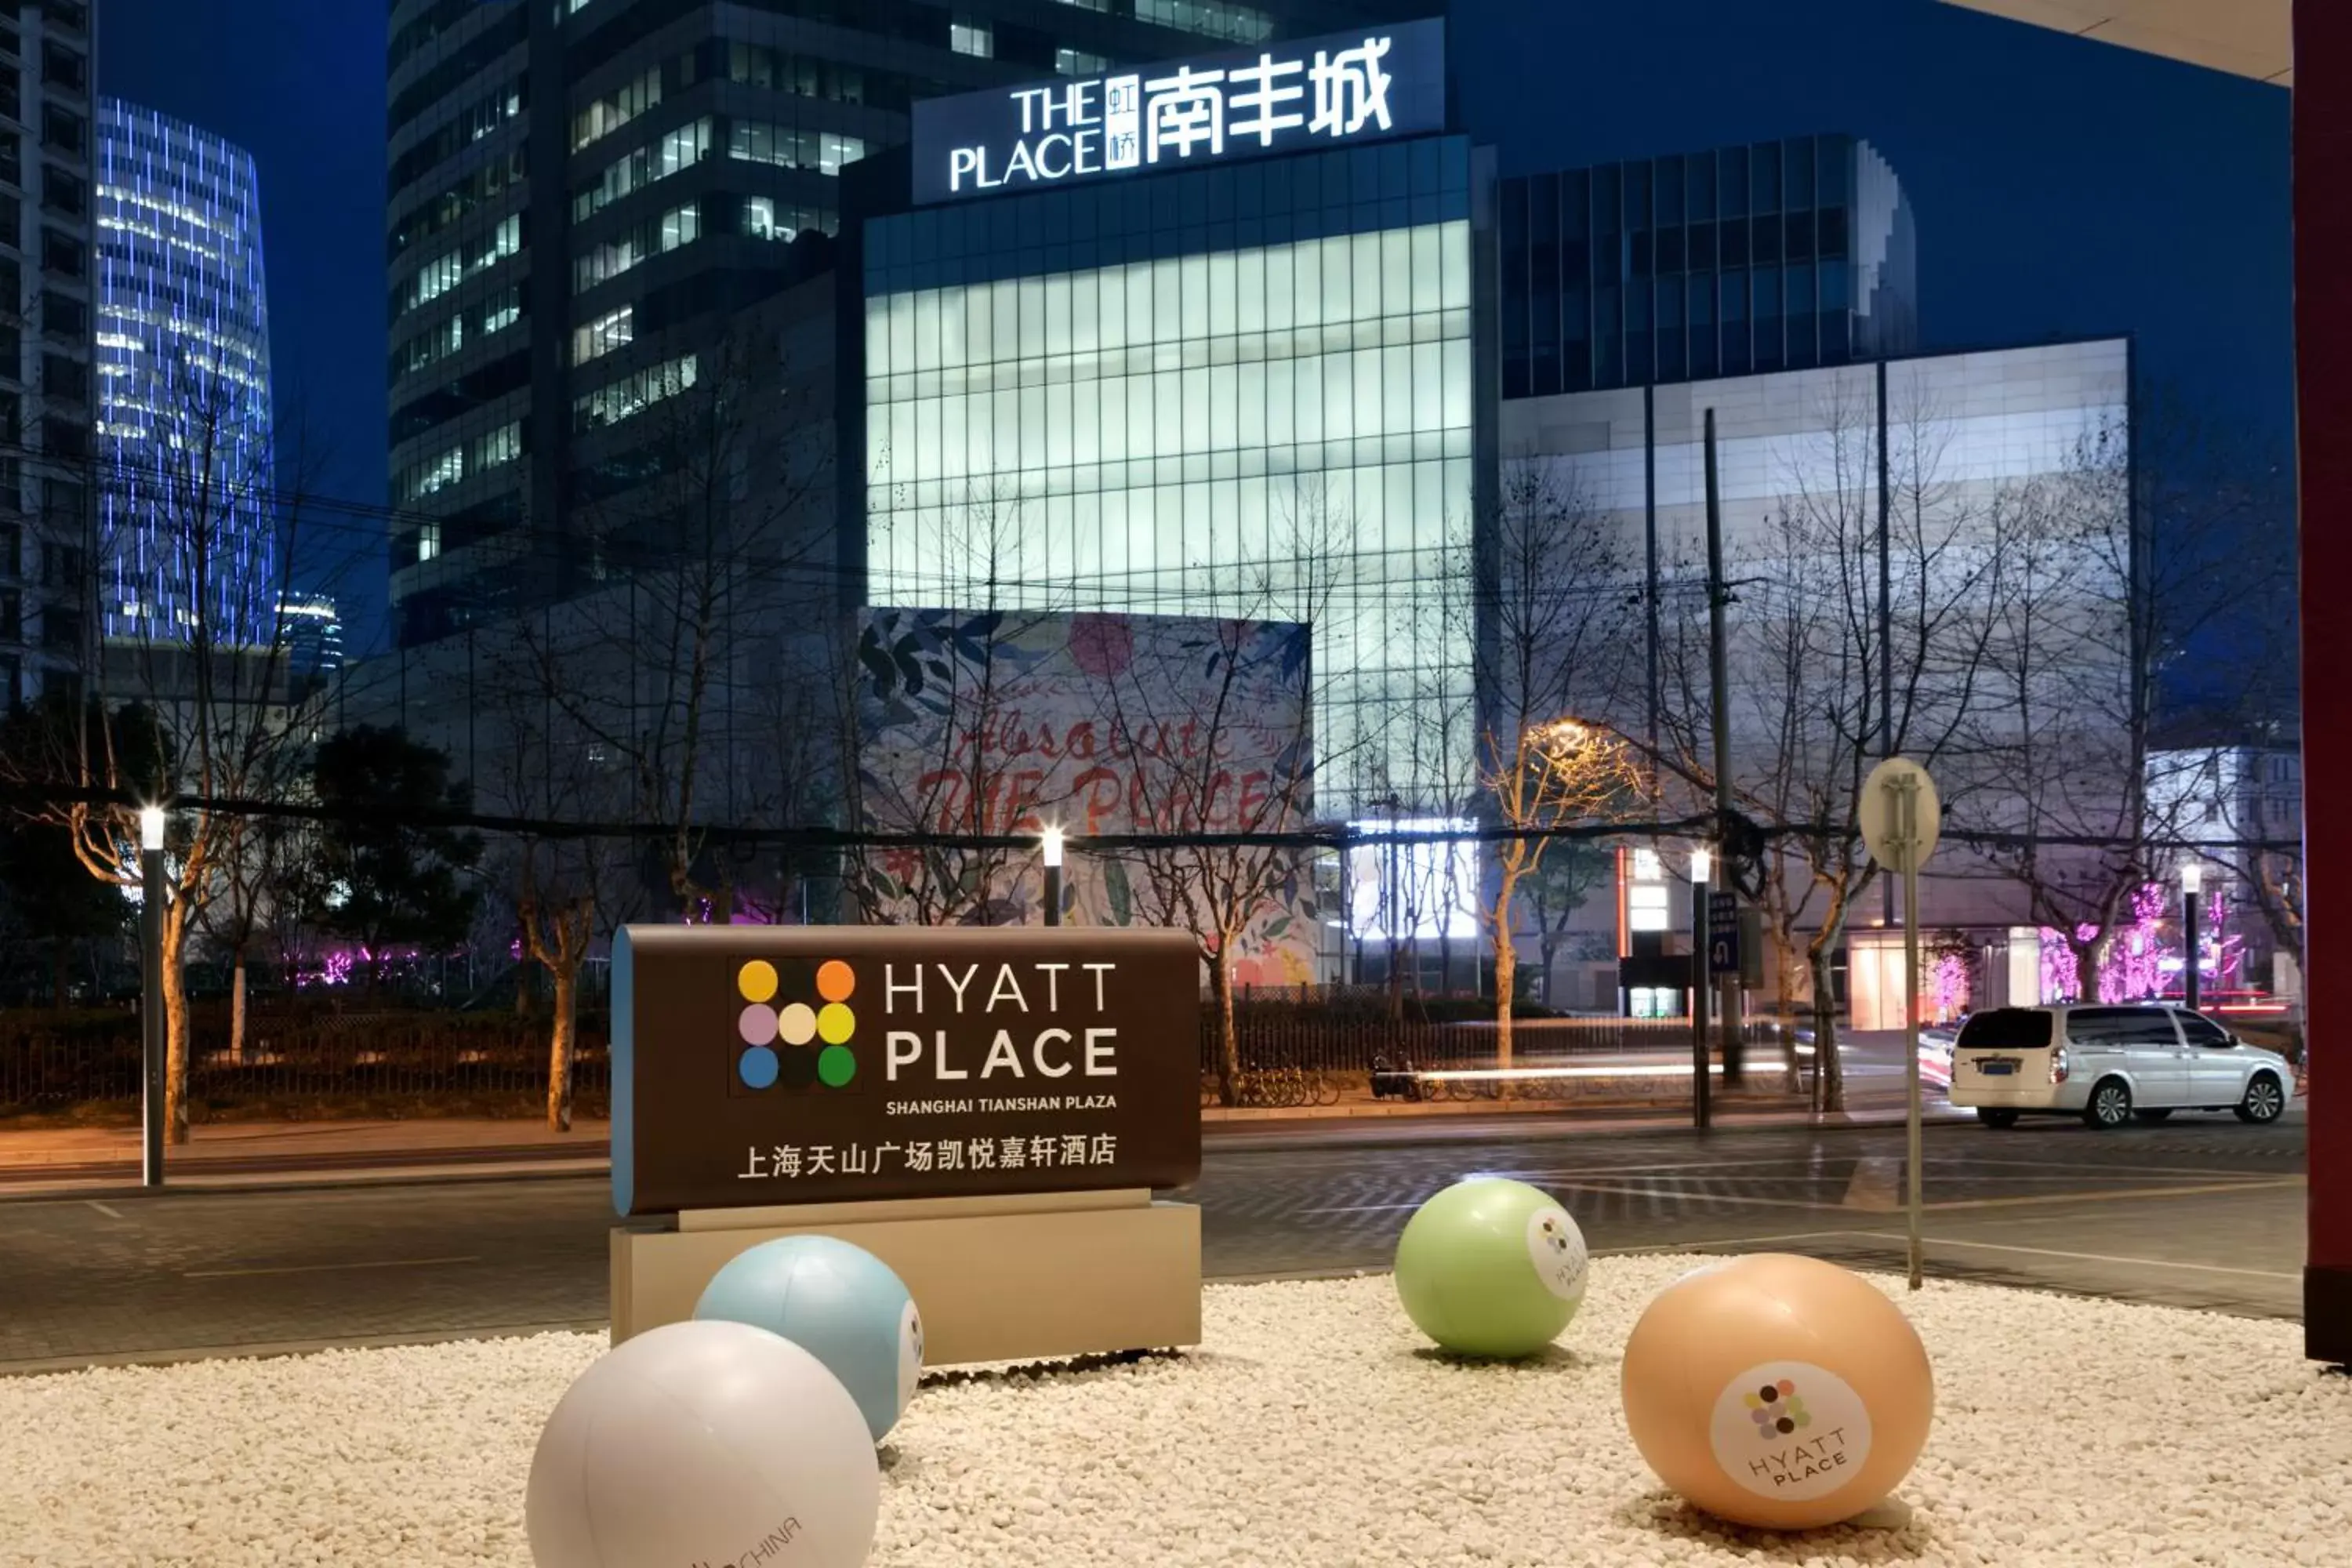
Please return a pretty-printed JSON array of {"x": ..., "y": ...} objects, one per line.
[{"x": 2198, "y": 1211}]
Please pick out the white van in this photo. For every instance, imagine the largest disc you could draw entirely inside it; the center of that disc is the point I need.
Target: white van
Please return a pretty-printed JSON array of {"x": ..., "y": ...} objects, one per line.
[{"x": 2108, "y": 1064}]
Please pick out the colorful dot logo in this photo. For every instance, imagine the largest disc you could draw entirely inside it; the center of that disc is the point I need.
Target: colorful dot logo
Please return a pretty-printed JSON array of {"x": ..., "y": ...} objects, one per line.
[
  {"x": 796, "y": 1045},
  {"x": 1777, "y": 1411}
]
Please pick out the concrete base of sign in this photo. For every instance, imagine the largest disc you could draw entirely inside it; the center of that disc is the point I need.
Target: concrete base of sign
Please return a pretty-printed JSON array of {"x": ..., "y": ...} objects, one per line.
[{"x": 1005, "y": 1278}]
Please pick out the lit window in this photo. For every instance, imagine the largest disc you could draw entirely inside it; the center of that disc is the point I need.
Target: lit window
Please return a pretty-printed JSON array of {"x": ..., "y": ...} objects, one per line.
[
  {"x": 616, "y": 108},
  {"x": 428, "y": 541},
  {"x": 633, "y": 393},
  {"x": 764, "y": 219},
  {"x": 967, "y": 36},
  {"x": 1078, "y": 62},
  {"x": 823, "y": 150},
  {"x": 614, "y": 330},
  {"x": 679, "y": 148},
  {"x": 1208, "y": 18}
]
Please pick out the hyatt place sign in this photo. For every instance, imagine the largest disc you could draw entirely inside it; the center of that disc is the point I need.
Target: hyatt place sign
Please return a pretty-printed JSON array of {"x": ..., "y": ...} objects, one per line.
[{"x": 1291, "y": 98}]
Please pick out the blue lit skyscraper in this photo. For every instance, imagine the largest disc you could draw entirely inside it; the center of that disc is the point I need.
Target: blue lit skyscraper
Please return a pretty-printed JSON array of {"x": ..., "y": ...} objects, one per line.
[{"x": 185, "y": 520}]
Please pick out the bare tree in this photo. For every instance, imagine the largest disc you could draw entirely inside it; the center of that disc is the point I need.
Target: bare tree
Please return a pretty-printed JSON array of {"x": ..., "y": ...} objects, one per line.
[
  {"x": 2142, "y": 594},
  {"x": 567, "y": 889},
  {"x": 193, "y": 540},
  {"x": 929, "y": 714},
  {"x": 1548, "y": 669},
  {"x": 1845, "y": 653},
  {"x": 1219, "y": 723},
  {"x": 665, "y": 671}
]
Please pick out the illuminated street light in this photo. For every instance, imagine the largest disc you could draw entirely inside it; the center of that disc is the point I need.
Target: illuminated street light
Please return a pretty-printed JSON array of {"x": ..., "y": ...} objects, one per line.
[
  {"x": 150, "y": 827},
  {"x": 1702, "y": 865},
  {"x": 1051, "y": 845}
]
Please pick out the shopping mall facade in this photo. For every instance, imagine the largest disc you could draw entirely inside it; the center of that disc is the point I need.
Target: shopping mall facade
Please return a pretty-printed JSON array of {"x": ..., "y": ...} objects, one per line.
[{"x": 1263, "y": 334}]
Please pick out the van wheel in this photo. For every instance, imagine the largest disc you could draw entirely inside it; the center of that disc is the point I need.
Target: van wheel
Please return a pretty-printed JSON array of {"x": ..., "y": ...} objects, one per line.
[
  {"x": 1995, "y": 1118},
  {"x": 2158, "y": 1114},
  {"x": 2264, "y": 1100},
  {"x": 2110, "y": 1105}
]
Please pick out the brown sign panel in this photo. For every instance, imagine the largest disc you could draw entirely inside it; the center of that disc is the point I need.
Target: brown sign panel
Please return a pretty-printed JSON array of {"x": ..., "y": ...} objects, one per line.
[{"x": 759, "y": 1064}]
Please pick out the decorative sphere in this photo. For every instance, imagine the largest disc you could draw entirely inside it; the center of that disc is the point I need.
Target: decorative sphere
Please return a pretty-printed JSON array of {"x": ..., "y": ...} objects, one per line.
[
  {"x": 703, "y": 1442},
  {"x": 1778, "y": 1391},
  {"x": 840, "y": 1303},
  {"x": 1491, "y": 1268}
]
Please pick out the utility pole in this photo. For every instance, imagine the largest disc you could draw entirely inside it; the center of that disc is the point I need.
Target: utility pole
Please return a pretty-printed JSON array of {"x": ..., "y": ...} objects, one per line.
[
  {"x": 1719, "y": 692},
  {"x": 1885, "y": 612},
  {"x": 154, "y": 1039}
]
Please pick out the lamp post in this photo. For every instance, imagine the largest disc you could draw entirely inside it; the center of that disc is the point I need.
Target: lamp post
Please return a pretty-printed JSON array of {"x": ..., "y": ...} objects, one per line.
[
  {"x": 1702, "y": 867},
  {"x": 151, "y": 1003},
  {"x": 2192, "y": 883},
  {"x": 1052, "y": 847}
]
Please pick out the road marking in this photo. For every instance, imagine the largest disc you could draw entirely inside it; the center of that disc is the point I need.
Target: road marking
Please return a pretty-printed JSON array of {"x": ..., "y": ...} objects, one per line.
[
  {"x": 1721, "y": 1241},
  {"x": 1700, "y": 1197},
  {"x": 1555, "y": 1172},
  {"x": 2044, "y": 1199},
  {"x": 2117, "y": 1168},
  {"x": 109, "y": 1212},
  {"x": 1876, "y": 1185},
  {"x": 2085, "y": 1256},
  {"x": 324, "y": 1268}
]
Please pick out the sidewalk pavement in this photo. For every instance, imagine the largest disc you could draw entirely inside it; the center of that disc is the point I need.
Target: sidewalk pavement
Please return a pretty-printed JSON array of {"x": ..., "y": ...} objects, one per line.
[{"x": 46, "y": 1161}]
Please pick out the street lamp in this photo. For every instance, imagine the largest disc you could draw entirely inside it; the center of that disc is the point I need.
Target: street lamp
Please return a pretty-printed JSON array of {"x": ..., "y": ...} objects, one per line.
[
  {"x": 2192, "y": 883},
  {"x": 1702, "y": 867},
  {"x": 150, "y": 1004},
  {"x": 1051, "y": 844}
]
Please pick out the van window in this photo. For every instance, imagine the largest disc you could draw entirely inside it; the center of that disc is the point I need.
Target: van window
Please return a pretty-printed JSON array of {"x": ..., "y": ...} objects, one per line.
[
  {"x": 2120, "y": 1027},
  {"x": 2005, "y": 1029},
  {"x": 2204, "y": 1031}
]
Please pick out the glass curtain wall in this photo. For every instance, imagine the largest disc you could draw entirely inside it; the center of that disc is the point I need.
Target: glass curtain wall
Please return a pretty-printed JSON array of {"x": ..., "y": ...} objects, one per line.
[{"x": 1280, "y": 431}]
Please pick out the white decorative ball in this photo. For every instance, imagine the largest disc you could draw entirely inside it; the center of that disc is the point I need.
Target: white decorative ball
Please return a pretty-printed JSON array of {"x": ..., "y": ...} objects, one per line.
[{"x": 704, "y": 1442}]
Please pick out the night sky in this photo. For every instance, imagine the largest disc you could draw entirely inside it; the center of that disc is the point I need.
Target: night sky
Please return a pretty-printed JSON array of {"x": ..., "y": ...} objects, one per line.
[{"x": 2061, "y": 188}]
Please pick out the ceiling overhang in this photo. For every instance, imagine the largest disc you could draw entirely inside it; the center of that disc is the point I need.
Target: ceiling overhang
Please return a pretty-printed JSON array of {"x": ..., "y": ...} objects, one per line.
[{"x": 2245, "y": 37}]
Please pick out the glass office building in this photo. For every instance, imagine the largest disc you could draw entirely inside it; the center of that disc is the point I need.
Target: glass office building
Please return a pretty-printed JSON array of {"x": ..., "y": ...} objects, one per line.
[
  {"x": 183, "y": 410},
  {"x": 1167, "y": 394},
  {"x": 580, "y": 197},
  {"x": 1776, "y": 255}
]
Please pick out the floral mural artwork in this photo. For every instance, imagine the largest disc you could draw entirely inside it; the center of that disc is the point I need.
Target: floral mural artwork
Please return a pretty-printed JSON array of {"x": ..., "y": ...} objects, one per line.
[{"x": 999, "y": 723}]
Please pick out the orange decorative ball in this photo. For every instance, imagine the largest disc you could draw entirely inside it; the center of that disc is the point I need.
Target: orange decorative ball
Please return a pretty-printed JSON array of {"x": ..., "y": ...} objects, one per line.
[{"x": 1778, "y": 1391}]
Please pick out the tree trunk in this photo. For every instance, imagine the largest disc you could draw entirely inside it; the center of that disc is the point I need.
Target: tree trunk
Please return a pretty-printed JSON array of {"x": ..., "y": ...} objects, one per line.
[
  {"x": 1229, "y": 1039},
  {"x": 176, "y": 1033},
  {"x": 1829, "y": 1071},
  {"x": 560, "y": 1047},
  {"x": 1507, "y": 971},
  {"x": 236, "y": 1010}
]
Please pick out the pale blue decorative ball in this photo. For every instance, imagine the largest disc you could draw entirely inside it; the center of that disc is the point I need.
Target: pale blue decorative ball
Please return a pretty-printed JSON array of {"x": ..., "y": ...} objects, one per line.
[{"x": 838, "y": 1302}]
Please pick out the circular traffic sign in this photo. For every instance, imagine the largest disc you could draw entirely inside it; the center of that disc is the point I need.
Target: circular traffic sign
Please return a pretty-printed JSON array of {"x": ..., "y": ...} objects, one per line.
[{"x": 1900, "y": 814}]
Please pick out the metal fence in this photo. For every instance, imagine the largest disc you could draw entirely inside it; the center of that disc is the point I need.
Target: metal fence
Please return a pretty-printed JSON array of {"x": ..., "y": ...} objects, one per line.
[
  {"x": 314, "y": 1061},
  {"x": 1330, "y": 1046},
  {"x": 1297, "y": 1048}
]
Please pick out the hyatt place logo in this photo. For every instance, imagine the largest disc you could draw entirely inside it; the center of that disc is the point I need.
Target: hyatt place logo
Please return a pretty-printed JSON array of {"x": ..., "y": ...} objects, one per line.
[{"x": 798, "y": 1045}]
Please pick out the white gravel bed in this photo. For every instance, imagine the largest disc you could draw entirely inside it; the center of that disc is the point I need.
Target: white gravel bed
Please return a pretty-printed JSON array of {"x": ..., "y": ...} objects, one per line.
[{"x": 1311, "y": 1428}]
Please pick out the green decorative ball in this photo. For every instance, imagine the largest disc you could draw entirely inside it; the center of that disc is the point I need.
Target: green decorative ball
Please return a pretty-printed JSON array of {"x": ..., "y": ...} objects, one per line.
[{"x": 1491, "y": 1268}]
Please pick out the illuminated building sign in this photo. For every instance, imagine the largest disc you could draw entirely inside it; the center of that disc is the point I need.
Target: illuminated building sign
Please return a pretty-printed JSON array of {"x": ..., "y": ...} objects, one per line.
[{"x": 1344, "y": 89}]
